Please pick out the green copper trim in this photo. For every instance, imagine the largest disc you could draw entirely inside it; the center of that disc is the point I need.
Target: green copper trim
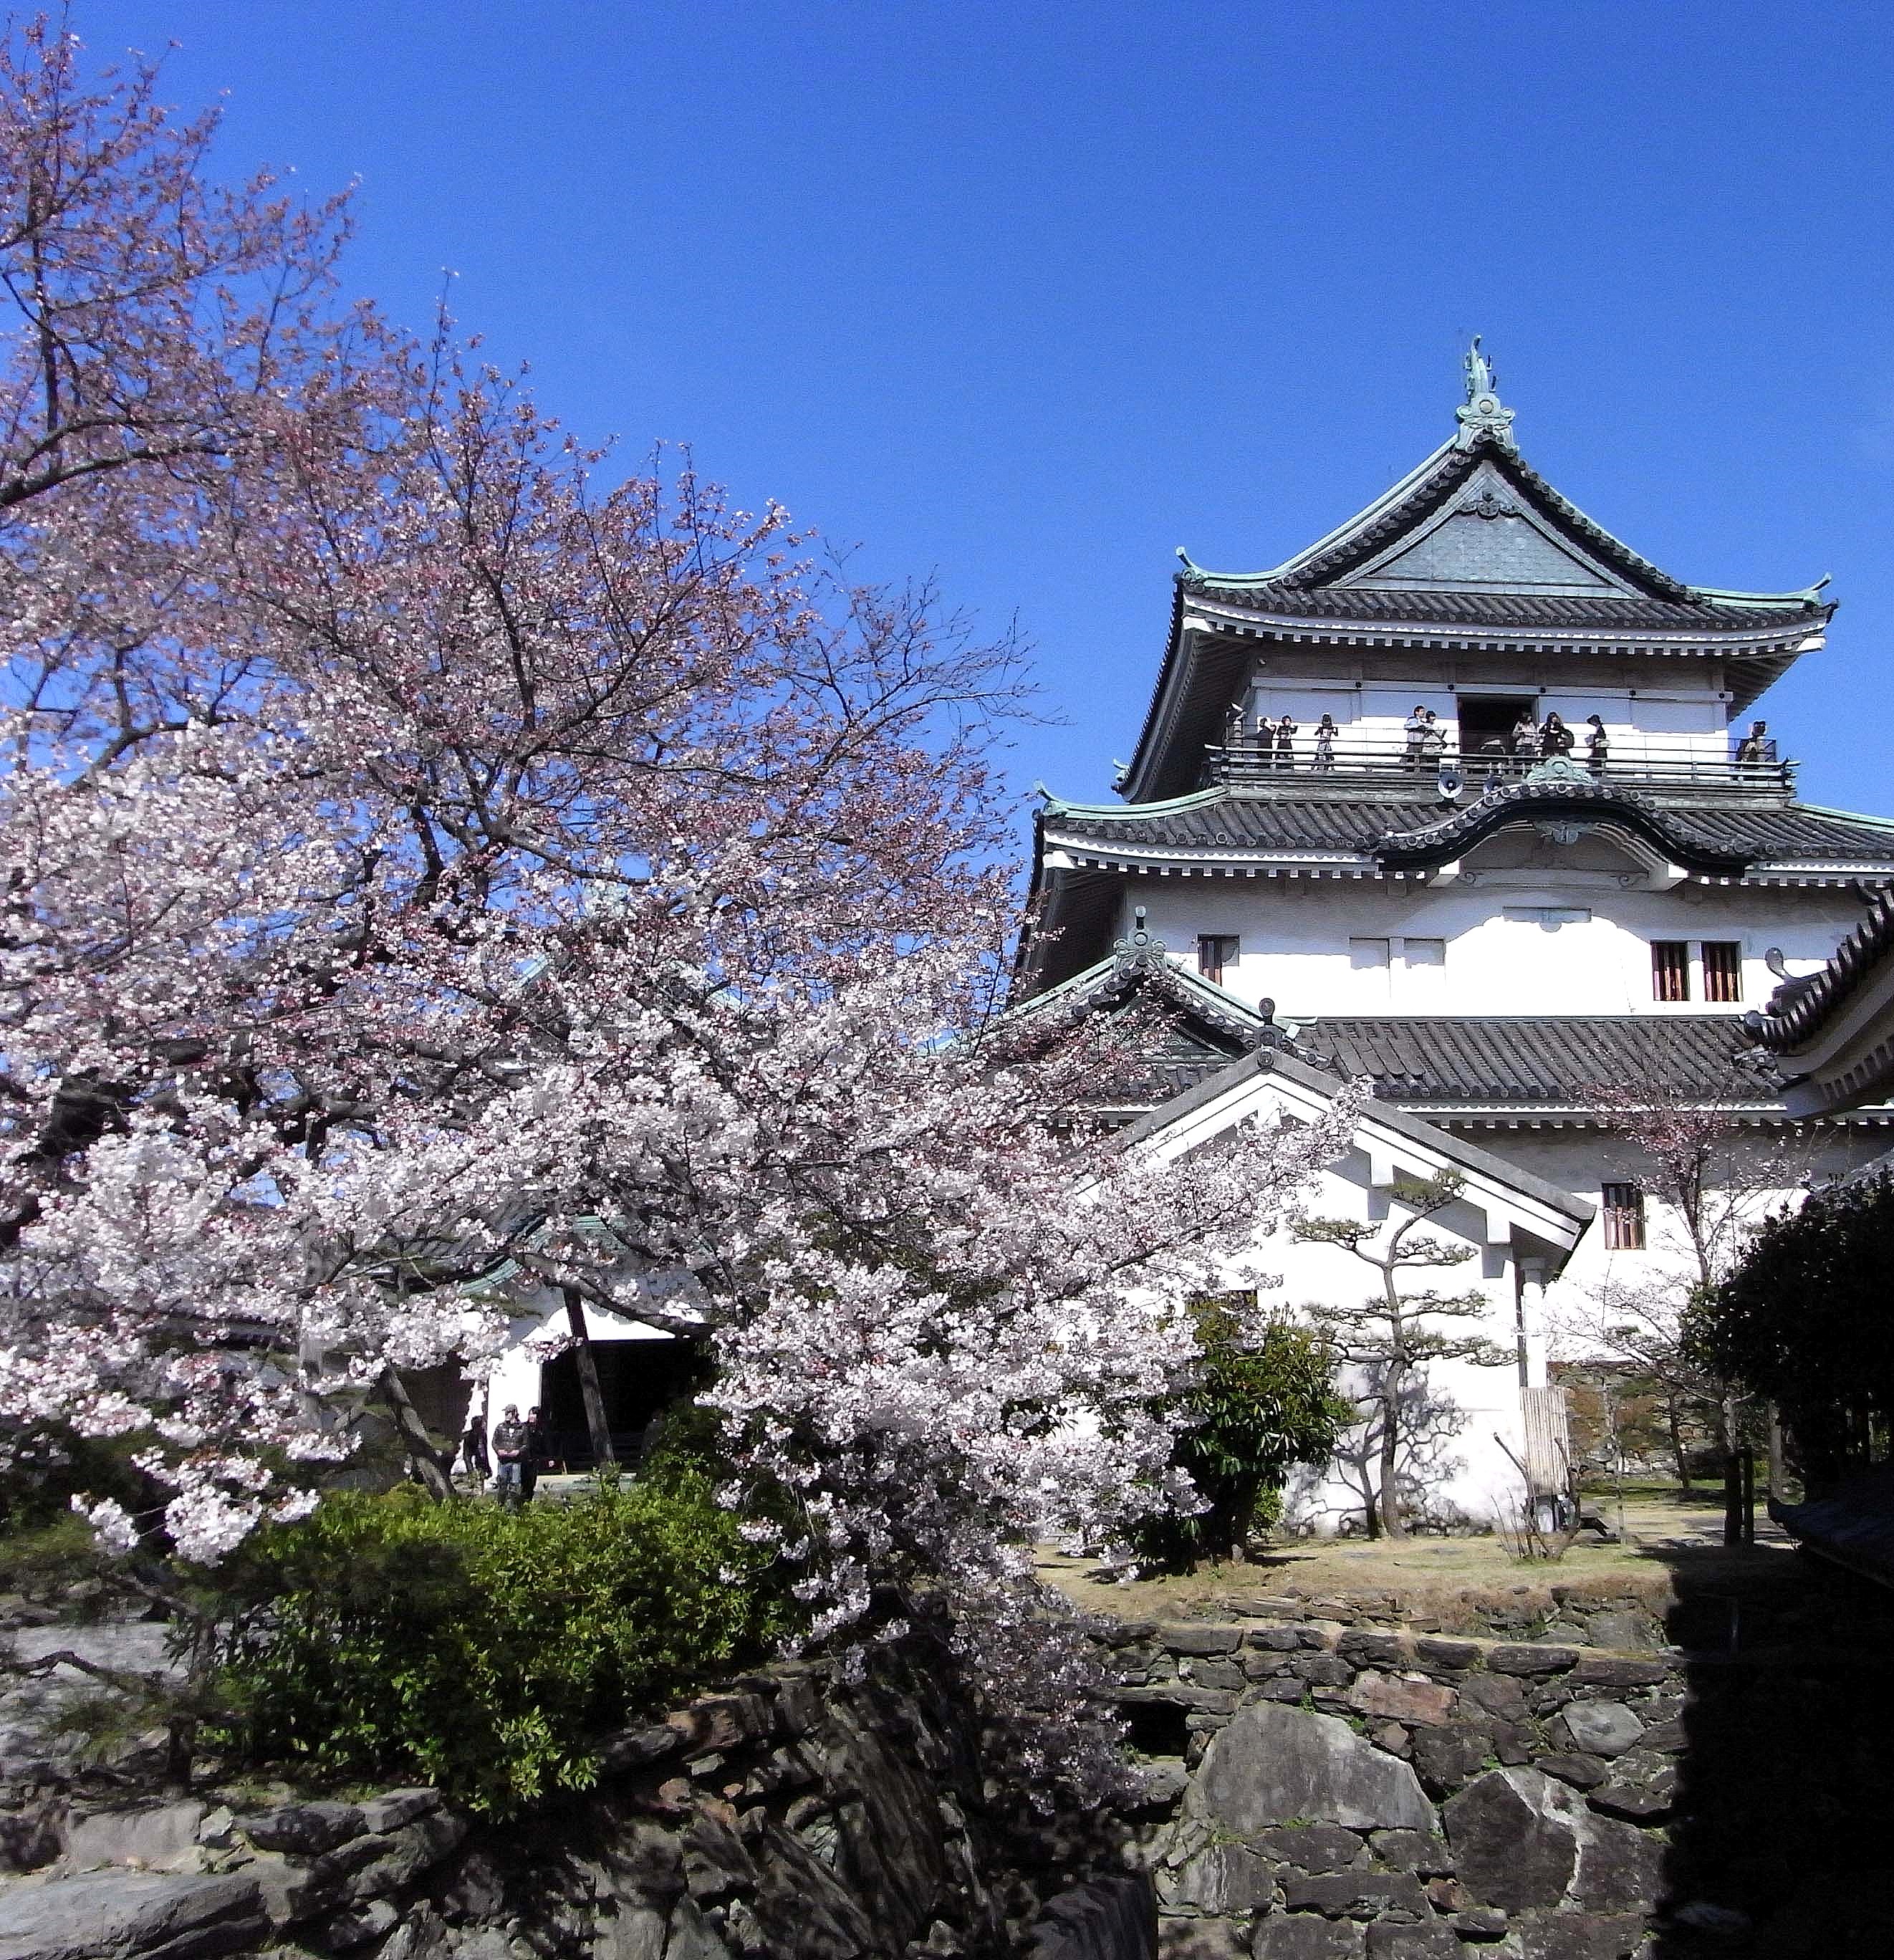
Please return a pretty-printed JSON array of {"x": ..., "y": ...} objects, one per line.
[{"x": 1058, "y": 806}]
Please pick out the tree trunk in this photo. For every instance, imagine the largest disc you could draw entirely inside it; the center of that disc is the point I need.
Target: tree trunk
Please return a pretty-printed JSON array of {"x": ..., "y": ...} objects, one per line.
[
  {"x": 414, "y": 1435},
  {"x": 1392, "y": 1521},
  {"x": 589, "y": 1389},
  {"x": 1778, "y": 1476},
  {"x": 1678, "y": 1454}
]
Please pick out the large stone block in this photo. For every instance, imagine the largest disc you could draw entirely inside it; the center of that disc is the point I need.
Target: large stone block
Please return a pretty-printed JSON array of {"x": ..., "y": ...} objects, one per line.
[
  {"x": 1578, "y": 1936},
  {"x": 1534, "y": 1661},
  {"x": 156, "y": 1835},
  {"x": 305, "y": 1829},
  {"x": 1602, "y": 1728},
  {"x": 1621, "y": 1868},
  {"x": 1181, "y": 1638},
  {"x": 1447, "y": 1758},
  {"x": 1356, "y": 1894},
  {"x": 1395, "y": 1698},
  {"x": 1308, "y": 1936},
  {"x": 1274, "y": 1765},
  {"x": 1429, "y": 1939},
  {"x": 1514, "y": 1845},
  {"x": 122, "y": 1914},
  {"x": 1311, "y": 1847}
]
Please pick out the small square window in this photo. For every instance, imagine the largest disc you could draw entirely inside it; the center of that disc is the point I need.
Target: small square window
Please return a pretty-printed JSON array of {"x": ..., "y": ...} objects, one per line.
[
  {"x": 1722, "y": 969},
  {"x": 1624, "y": 1209},
  {"x": 1670, "y": 970},
  {"x": 1216, "y": 951}
]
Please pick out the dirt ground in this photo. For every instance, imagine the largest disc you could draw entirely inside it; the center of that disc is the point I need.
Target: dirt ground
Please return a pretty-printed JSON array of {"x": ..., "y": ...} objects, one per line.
[{"x": 1673, "y": 1547}]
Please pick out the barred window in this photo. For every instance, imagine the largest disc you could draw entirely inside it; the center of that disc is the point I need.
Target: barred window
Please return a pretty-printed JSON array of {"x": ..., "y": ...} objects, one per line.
[
  {"x": 1722, "y": 969},
  {"x": 1216, "y": 950},
  {"x": 1670, "y": 970},
  {"x": 1624, "y": 1209}
]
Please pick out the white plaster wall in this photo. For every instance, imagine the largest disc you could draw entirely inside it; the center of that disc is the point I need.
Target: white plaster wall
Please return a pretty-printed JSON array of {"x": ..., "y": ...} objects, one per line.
[
  {"x": 1459, "y": 1461},
  {"x": 515, "y": 1378},
  {"x": 1584, "y": 1161},
  {"x": 1684, "y": 712},
  {"x": 1502, "y": 955}
]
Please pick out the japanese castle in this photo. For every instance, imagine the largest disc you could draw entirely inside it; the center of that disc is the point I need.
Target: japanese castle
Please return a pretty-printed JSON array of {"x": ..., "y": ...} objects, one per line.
[{"x": 1420, "y": 881}]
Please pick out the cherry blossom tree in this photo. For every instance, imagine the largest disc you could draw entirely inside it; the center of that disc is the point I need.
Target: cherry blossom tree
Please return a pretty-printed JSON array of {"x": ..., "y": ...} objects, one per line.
[{"x": 427, "y": 859}]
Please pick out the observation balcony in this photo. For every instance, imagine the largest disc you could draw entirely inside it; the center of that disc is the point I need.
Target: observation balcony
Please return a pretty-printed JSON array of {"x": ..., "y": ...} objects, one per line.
[{"x": 1386, "y": 760}]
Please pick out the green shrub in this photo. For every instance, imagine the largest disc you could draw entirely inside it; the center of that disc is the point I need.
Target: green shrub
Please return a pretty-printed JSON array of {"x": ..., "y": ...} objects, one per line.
[
  {"x": 1256, "y": 1406},
  {"x": 481, "y": 1649}
]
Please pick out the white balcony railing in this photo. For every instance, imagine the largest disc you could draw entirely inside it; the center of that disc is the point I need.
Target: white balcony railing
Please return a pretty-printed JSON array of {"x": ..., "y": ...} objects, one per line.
[{"x": 1387, "y": 757}]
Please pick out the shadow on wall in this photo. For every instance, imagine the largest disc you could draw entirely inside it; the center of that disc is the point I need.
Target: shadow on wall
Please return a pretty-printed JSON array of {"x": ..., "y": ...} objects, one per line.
[
  {"x": 1429, "y": 1422},
  {"x": 1779, "y": 1799}
]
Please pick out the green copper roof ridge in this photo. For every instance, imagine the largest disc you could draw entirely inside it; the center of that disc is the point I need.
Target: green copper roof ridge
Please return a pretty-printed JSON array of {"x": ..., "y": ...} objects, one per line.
[
  {"x": 1725, "y": 596},
  {"x": 1058, "y": 806},
  {"x": 1851, "y": 816}
]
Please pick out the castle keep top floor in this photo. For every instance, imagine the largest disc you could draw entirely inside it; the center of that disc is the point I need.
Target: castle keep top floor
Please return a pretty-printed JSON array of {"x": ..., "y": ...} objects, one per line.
[{"x": 1473, "y": 588}]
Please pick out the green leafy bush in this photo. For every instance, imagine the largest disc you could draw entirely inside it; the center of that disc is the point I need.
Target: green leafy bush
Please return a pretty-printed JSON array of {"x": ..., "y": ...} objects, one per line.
[
  {"x": 1257, "y": 1405},
  {"x": 481, "y": 1649}
]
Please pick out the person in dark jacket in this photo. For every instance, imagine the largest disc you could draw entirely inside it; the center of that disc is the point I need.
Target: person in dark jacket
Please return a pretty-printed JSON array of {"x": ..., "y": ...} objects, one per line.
[
  {"x": 473, "y": 1448},
  {"x": 1286, "y": 742},
  {"x": 539, "y": 1449},
  {"x": 1554, "y": 739},
  {"x": 1597, "y": 744},
  {"x": 509, "y": 1450}
]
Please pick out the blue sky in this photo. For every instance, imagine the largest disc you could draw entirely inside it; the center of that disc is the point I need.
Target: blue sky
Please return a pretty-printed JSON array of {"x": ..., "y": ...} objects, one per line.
[{"x": 1027, "y": 297}]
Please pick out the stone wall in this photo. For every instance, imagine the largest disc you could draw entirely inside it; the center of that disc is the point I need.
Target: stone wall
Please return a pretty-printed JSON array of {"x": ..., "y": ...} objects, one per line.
[
  {"x": 786, "y": 1818},
  {"x": 1342, "y": 1792}
]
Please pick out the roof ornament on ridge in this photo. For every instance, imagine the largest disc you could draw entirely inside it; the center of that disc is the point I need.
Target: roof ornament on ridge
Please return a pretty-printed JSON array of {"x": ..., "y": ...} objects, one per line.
[{"x": 1482, "y": 413}]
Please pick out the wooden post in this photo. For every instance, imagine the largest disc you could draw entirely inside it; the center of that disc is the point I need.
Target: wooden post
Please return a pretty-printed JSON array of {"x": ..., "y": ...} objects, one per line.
[{"x": 589, "y": 1389}]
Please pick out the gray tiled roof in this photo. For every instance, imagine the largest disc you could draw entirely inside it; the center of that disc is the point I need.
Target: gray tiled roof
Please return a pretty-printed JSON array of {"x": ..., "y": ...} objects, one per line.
[
  {"x": 1800, "y": 1008},
  {"x": 1559, "y": 1060},
  {"x": 1610, "y": 617},
  {"x": 1235, "y": 820}
]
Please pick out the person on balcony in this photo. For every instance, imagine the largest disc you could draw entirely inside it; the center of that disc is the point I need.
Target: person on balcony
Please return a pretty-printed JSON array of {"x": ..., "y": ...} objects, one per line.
[
  {"x": 1554, "y": 739},
  {"x": 1265, "y": 756},
  {"x": 1756, "y": 746},
  {"x": 1522, "y": 744},
  {"x": 1433, "y": 740},
  {"x": 1597, "y": 744},
  {"x": 1415, "y": 729},
  {"x": 1286, "y": 729},
  {"x": 1325, "y": 731}
]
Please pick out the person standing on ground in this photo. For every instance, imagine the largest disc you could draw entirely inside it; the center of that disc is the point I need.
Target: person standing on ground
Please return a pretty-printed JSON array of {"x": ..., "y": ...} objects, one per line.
[
  {"x": 473, "y": 1448},
  {"x": 510, "y": 1449},
  {"x": 538, "y": 1450}
]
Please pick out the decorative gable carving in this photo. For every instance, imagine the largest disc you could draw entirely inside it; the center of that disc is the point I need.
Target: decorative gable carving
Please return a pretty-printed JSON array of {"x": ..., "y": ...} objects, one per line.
[{"x": 1487, "y": 538}]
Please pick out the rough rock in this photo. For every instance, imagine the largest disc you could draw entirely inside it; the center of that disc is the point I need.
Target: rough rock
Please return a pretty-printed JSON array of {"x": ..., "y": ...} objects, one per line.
[
  {"x": 1413, "y": 1851},
  {"x": 1310, "y": 1848},
  {"x": 1276, "y": 1640},
  {"x": 1430, "y": 1940},
  {"x": 1224, "y": 1879},
  {"x": 1447, "y": 1758},
  {"x": 1273, "y": 1763},
  {"x": 1620, "y": 1868},
  {"x": 1399, "y": 1699},
  {"x": 1354, "y": 1894},
  {"x": 1586, "y": 1772},
  {"x": 1308, "y": 1936},
  {"x": 1608, "y": 1671},
  {"x": 1499, "y": 1695},
  {"x": 307, "y": 1829},
  {"x": 1186, "y": 1639},
  {"x": 1579, "y": 1936},
  {"x": 1532, "y": 1660},
  {"x": 159, "y": 1836},
  {"x": 123, "y": 1914},
  {"x": 1199, "y": 1939},
  {"x": 394, "y": 1808},
  {"x": 422, "y": 1935},
  {"x": 1108, "y": 1918},
  {"x": 1602, "y": 1728},
  {"x": 692, "y": 1936},
  {"x": 355, "y": 1925},
  {"x": 1620, "y": 1629},
  {"x": 1512, "y": 1847},
  {"x": 633, "y": 1933}
]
